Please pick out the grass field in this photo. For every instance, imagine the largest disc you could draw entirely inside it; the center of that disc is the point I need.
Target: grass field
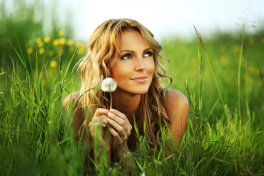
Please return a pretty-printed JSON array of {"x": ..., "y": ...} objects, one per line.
[{"x": 221, "y": 75}]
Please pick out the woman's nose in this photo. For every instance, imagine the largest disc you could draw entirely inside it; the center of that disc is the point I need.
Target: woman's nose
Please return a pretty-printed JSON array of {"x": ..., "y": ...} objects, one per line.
[{"x": 139, "y": 63}]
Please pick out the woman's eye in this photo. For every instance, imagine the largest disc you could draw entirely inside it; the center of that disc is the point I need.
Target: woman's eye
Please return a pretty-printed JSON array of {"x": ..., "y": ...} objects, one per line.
[
  {"x": 126, "y": 56},
  {"x": 148, "y": 54}
]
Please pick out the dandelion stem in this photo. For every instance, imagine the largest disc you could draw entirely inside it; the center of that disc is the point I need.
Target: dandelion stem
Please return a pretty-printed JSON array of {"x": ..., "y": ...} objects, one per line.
[{"x": 110, "y": 100}]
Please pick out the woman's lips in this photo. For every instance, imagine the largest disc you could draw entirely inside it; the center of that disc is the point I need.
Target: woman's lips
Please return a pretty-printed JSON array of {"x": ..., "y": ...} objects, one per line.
[{"x": 140, "y": 79}]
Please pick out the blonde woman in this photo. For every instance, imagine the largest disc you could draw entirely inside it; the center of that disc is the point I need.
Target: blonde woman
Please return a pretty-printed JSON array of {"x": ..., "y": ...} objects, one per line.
[{"x": 126, "y": 51}]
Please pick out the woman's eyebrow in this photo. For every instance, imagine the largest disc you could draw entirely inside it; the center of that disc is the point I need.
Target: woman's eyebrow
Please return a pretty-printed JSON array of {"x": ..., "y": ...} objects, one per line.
[
  {"x": 127, "y": 51},
  {"x": 134, "y": 51},
  {"x": 147, "y": 49}
]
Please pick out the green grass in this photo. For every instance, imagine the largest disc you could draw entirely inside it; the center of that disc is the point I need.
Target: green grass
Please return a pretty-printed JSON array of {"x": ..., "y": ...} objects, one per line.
[{"x": 224, "y": 134}]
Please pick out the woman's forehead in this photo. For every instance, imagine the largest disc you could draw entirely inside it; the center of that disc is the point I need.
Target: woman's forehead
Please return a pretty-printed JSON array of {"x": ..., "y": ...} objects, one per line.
[{"x": 132, "y": 39}]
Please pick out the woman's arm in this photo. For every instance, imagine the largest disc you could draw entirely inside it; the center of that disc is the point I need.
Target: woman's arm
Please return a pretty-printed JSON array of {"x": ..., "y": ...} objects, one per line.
[
  {"x": 177, "y": 107},
  {"x": 78, "y": 116}
]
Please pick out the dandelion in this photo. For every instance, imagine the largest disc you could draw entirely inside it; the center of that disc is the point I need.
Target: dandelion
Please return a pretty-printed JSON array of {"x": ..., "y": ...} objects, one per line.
[
  {"x": 61, "y": 33},
  {"x": 56, "y": 42},
  {"x": 30, "y": 50},
  {"x": 109, "y": 85},
  {"x": 41, "y": 51},
  {"x": 40, "y": 44},
  {"x": 80, "y": 51},
  {"x": 69, "y": 42},
  {"x": 38, "y": 40},
  {"x": 46, "y": 39},
  {"x": 78, "y": 45},
  {"x": 62, "y": 41},
  {"x": 53, "y": 64}
]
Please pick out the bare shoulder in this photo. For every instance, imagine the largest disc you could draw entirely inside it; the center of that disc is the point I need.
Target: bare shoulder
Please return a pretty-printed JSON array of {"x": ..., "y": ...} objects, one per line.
[
  {"x": 176, "y": 103},
  {"x": 71, "y": 97},
  {"x": 177, "y": 107},
  {"x": 176, "y": 97}
]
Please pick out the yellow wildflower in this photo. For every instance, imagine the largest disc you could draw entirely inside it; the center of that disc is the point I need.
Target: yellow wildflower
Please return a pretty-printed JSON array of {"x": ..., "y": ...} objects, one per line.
[
  {"x": 78, "y": 45},
  {"x": 61, "y": 33},
  {"x": 56, "y": 42},
  {"x": 223, "y": 61},
  {"x": 80, "y": 51},
  {"x": 70, "y": 42},
  {"x": 62, "y": 41},
  {"x": 53, "y": 64},
  {"x": 41, "y": 51},
  {"x": 38, "y": 40},
  {"x": 30, "y": 50},
  {"x": 46, "y": 39},
  {"x": 40, "y": 44}
]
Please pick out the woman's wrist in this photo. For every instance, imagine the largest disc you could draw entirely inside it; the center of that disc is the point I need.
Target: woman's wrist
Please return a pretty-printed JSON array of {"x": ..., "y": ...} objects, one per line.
[{"x": 122, "y": 151}]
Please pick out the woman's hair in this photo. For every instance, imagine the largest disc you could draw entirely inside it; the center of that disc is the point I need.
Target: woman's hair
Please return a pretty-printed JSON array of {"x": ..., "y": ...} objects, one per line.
[{"x": 103, "y": 46}]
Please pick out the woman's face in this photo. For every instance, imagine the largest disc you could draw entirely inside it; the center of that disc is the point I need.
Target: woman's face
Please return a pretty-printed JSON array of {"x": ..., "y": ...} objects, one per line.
[{"x": 134, "y": 70}]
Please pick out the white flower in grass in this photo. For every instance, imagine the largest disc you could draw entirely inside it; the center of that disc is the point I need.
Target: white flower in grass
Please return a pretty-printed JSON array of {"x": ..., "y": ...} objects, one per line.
[{"x": 108, "y": 85}]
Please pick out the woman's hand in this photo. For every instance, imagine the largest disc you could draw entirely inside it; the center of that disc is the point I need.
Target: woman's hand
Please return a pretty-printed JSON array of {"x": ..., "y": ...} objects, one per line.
[
  {"x": 120, "y": 128},
  {"x": 98, "y": 122}
]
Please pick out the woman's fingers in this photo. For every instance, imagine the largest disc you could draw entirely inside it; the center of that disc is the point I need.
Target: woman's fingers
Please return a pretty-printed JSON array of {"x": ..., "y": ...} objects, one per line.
[
  {"x": 102, "y": 119},
  {"x": 125, "y": 125},
  {"x": 117, "y": 119},
  {"x": 118, "y": 128},
  {"x": 118, "y": 113},
  {"x": 100, "y": 111},
  {"x": 121, "y": 116},
  {"x": 116, "y": 135}
]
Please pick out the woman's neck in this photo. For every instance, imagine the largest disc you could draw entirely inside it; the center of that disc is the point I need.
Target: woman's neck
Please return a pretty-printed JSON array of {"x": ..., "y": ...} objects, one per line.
[{"x": 125, "y": 102}]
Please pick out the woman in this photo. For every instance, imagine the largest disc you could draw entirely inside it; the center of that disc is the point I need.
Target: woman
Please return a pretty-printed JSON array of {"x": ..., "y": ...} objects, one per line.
[{"x": 126, "y": 51}]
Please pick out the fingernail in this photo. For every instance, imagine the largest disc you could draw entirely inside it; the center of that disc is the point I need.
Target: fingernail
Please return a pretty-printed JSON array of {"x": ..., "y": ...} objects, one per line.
[
  {"x": 111, "y": 109},
  {"x": 110, "y": 113}
]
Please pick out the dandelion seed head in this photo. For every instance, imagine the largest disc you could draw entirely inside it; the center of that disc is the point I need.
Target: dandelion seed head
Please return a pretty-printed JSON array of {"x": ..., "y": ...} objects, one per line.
[{"x": 109, "y": 85}]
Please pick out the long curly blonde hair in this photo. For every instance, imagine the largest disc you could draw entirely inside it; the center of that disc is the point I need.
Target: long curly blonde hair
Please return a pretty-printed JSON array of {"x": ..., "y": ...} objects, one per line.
[{"x": 104, "y": 46}]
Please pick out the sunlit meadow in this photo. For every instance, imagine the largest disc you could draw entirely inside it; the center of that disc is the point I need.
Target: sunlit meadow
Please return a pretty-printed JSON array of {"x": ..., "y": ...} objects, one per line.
[{"x": 221, "y": 75}]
